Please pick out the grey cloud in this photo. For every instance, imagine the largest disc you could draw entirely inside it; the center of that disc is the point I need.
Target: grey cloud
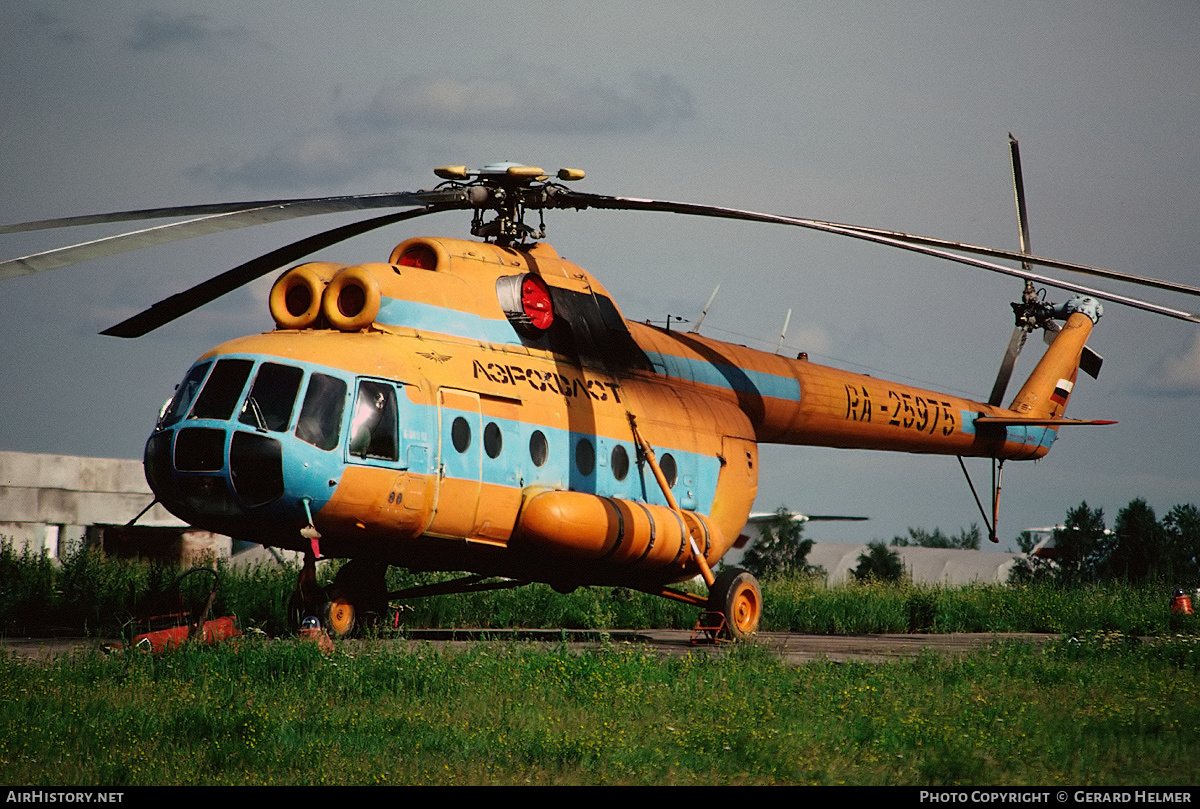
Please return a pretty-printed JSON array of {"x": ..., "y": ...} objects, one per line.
[
  {"x": 55, "y": 27},
  {"x": 367, "y": 139},
  {"x": 160, "y": 31},
  {"x": 1179, "y": 374},
  {"x": 320, "y": 158},
  {"x": 526, "y": 102}
]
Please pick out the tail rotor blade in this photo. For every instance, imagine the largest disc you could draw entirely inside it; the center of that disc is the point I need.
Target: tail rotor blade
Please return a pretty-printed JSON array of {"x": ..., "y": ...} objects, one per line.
[
  {"x": 1029, "y": 295},
  {"x": 1090, "y": 362},
  {"x": 1019, "y": 193},
  {"x": 1015, "y": 343}
]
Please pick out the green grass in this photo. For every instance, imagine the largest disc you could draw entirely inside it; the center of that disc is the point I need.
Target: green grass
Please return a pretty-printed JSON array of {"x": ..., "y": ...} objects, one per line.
[
  {"x": 88, "y": 593},
  {"x": 803, "y": 605},
  {"x": 1100, "y": 710}
]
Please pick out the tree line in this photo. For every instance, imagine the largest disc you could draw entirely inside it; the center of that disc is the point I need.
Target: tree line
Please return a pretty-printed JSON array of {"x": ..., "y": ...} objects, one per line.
[{"x": 1138, "y": 549}]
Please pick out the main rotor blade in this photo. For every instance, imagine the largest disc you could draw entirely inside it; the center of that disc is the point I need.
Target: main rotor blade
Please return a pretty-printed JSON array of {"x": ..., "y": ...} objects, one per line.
[
  {"x": 177, "y": 211},
  {"x": 238, "y": 216},
  {"x": 181, "y": 303},
  {"x": 991, "y": 252},
  {"x": 904, "y": 241}
]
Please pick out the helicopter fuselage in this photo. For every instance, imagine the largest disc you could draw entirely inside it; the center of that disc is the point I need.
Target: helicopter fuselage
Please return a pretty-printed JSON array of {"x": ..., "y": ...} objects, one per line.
[{"x": 466, "y": 406}]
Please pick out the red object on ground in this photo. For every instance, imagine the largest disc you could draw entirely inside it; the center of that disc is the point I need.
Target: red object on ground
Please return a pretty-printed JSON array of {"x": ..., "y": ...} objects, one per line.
[{"x": 213, "y": 631}]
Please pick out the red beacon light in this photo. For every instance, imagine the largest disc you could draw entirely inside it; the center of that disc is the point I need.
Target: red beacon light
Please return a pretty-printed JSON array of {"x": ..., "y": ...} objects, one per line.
[
  {"x": 536, "y": 303},
  {"x": 526, "y": 302}
]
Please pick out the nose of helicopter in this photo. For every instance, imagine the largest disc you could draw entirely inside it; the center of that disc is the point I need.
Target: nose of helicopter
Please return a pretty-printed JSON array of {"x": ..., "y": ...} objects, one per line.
[
  {"x": 215, "y": 470},
  {"x": 232, "y": 451}
]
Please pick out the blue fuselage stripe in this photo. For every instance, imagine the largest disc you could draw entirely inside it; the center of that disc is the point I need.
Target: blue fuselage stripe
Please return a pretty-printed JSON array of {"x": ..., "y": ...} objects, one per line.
[
  {"x": 441, "y": 320},
  {"x": 310, "y": 472},
  {"x": 1030, "y": 435},
  {"x": 739, "y": 380}
]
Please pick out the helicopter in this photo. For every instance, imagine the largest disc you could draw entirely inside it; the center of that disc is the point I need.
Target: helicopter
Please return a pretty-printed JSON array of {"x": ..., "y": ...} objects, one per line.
[{"x": 483, "y": 406}]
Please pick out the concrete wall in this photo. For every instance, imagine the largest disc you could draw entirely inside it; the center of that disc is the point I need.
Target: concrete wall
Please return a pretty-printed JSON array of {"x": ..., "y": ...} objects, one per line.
[
  {"x": 47, "y": 502},
  {"x": 52, "y": 503},
  {"x": 925, "y": 565}
]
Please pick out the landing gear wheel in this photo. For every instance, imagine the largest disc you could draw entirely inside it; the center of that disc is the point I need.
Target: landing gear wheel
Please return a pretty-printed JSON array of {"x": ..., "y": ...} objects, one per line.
[
  {"x": 341, "y": 616},
  {"x": 735, "y": 595},
  {"x": 357, "y": 598}
]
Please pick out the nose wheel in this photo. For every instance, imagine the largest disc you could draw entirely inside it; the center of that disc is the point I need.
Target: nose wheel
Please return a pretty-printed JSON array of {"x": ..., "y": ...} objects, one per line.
[
  {"x": 736, "y": 595},
  {"x": 341, "y": 614},
  {"x": 357, "y": 597}
]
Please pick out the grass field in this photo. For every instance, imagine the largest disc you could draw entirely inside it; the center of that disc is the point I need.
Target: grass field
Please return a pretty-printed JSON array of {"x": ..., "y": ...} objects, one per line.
[
  {"x": 89, "y": 594},
  {"x": 1100, "y": 709}
]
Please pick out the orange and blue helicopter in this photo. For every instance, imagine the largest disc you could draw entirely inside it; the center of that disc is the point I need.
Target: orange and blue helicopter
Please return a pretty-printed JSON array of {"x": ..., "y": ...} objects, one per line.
[{"x": 483, "y": 406}]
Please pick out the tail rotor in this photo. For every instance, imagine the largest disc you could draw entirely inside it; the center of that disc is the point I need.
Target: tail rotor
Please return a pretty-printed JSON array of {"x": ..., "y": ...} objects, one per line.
[{"x": 1032, "y": 312}]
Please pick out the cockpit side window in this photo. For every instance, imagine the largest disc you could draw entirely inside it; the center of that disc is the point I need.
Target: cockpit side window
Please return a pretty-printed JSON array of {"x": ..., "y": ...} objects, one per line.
[
  {"x": 184, "y": 394},
  {"x": 272, "y": 397},
  {"x": 320, "y": 422},
  {"x": 374, "y": 429},
  {"x": 223, "y": 390}
]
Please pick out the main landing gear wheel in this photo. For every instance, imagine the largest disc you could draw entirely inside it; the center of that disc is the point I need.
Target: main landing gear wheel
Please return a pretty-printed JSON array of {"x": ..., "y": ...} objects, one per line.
[{"x": 735, "y": 595}]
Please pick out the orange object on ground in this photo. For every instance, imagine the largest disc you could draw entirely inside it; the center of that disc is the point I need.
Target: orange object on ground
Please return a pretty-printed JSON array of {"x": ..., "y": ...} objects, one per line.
[
  {"x": 213, "y": 631},
  {"x": 1181, "y": 604}
]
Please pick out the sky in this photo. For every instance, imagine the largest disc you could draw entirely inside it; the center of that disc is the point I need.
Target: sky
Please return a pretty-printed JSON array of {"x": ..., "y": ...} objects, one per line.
[{"x": 891, "y": 115}]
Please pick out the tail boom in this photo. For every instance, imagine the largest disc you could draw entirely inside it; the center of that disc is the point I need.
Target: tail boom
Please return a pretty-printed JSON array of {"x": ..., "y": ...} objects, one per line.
[{"x": 794, "y": 401}]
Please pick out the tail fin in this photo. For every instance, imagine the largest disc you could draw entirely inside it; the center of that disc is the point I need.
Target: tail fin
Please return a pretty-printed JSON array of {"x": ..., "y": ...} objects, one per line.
[{"x": 1048, "y": 389}]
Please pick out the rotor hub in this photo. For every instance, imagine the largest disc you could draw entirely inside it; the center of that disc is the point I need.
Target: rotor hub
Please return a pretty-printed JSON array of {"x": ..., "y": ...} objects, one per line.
[{"x": 508, "y": 190}]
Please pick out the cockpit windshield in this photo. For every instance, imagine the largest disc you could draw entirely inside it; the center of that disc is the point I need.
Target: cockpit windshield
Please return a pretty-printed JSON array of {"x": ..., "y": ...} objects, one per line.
[
  {"x": 223, "y": 390},
  {"x": 272, "y": 397},
  {"x": 217, "y": 390},
  {"x": 184, "y": 394}
]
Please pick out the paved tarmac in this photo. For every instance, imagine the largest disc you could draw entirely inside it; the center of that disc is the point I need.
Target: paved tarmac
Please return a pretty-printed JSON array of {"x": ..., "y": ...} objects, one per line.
[{"x": 794, "y": 648}]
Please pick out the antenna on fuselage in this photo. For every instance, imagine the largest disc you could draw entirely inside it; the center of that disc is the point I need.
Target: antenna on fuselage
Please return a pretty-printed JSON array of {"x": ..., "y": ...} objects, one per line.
[
  {"x": 696, "y": 329},
  {"x": 783, "y": 333}
]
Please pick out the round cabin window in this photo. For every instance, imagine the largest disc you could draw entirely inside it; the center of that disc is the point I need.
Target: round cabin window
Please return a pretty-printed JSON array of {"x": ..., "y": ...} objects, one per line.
[
  {"x": 585, "y": 457},
  {"x": 460, "y": 434},
  {"x": 670, "y": 471},
  {"x": 539, "y": 449},
  {"x": 619, "y": 462},
  {"x": 493, "y": 439}
]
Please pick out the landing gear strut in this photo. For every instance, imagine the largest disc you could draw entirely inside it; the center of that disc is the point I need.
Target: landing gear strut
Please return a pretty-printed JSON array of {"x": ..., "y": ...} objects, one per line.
[
  {"x": 308, "y": 598},
  {"x": 357, "y": 597}
]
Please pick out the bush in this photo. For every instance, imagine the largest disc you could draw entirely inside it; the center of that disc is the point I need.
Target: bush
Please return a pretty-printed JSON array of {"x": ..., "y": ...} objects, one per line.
[
  {"x": 98, "y": 595},
  {"x": 965, "y": 539},
  {"x": 879, "y": 563},
  {"x": 26, "y": 589}
]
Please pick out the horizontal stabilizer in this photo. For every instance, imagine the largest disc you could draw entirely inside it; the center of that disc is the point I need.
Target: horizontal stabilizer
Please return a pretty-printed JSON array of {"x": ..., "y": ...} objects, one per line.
[
  {"x": 1017, "y": 421},
  {"x": 1090, "y": 362}
]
